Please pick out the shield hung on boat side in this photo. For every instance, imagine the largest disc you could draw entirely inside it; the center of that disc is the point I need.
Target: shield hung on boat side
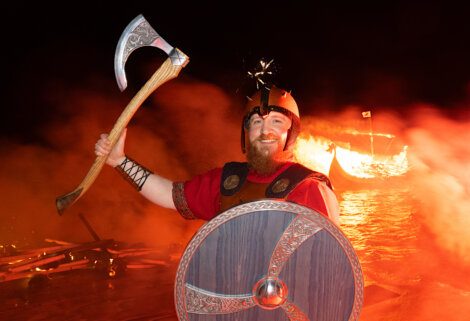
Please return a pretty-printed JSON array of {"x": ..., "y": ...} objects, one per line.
[{"x": 269, "y": 260}]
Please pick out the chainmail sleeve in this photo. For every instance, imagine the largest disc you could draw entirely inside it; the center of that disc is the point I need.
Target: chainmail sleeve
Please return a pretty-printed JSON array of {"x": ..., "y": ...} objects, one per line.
[{"x": 180, "y": 201}]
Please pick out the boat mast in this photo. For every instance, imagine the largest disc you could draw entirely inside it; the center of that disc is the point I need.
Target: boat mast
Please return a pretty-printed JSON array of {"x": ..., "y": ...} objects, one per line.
[{"x": 368, "y": 114}]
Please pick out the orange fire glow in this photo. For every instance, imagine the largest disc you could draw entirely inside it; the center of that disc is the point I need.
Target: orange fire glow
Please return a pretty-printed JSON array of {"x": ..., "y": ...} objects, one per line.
[
  {"x": 313, "y": 153},
  {"x": 369, "y": 166},
  {"x": 317, "y": 154}
]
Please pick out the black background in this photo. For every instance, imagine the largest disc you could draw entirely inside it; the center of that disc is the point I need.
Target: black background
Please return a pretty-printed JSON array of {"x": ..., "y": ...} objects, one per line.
[{"x": 332, "y": 54}]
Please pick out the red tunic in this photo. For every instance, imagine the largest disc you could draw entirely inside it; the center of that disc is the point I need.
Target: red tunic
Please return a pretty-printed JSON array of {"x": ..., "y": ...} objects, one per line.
[{"x": 200, "y": 196}]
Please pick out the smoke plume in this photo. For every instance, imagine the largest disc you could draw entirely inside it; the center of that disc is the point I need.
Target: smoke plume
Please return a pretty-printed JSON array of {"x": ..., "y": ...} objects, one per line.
[
  {"x": 440, "y": 157},
  {"x": 185, "y": 128}
]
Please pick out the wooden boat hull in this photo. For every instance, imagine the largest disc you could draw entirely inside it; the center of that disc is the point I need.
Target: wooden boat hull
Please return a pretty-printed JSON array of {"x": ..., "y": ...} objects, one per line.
[{"x": 342, "y": 180}]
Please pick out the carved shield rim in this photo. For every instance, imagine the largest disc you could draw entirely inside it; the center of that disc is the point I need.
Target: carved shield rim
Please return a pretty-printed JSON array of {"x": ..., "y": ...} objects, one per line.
[{"x": 263, "y": 205}]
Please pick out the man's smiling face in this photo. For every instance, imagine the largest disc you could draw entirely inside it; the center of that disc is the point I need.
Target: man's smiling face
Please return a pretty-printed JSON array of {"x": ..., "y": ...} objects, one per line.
[
  {"x": 267, "y": 137},
  {"x": 268, "y": 134}
]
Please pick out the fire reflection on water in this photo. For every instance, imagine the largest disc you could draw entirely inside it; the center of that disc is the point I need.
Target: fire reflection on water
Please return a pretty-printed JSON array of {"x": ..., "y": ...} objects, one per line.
[
  {"x": 379, "y": 223},
  {"x": 405, "y": 277}
]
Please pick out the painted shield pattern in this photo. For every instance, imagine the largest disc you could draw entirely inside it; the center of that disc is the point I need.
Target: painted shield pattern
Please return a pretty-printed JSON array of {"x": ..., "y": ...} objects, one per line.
[{"x": 269, "y": 260}]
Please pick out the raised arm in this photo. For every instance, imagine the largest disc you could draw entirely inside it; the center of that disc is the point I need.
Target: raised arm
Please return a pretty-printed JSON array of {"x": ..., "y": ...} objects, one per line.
[{"x": 155, "y": 188}]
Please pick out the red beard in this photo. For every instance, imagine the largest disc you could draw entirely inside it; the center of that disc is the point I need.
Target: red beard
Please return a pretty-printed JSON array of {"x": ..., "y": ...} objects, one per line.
[{"x": 267, "y": 163}]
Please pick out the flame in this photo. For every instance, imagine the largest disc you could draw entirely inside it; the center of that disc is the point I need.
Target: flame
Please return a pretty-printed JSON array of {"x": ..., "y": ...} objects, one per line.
[
  {"x": 313, "y": 153},
  {"x": 369, "y": 166},
  {"x": 316, "y": 153}
]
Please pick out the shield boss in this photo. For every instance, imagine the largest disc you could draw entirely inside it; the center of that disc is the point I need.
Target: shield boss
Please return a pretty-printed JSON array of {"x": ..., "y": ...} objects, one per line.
[{"x": 269, "y": 260}]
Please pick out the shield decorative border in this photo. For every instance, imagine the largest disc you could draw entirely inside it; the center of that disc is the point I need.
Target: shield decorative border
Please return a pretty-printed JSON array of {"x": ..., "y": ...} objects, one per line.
[{"x": 196, "y": 304}]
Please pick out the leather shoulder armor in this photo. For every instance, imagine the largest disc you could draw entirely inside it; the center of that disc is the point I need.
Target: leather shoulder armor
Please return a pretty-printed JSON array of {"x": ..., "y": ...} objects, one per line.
[
  {"x": 290, "y": 178},
  {"x": 233, "y": 177}
]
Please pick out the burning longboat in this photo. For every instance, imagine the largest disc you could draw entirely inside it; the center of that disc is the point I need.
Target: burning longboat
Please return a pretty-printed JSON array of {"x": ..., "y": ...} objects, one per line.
[
  {"x": 353, "y": 159},
  {"x": 355, "y": 170}
]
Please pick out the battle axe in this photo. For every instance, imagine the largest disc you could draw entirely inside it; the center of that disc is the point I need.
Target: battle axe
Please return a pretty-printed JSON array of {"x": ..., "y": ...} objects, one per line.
[{"x": 137, "y": 34}]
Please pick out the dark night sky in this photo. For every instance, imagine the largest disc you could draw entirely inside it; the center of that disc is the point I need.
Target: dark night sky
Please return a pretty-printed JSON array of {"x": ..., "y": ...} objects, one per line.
[{"x": 329, "y": 54}]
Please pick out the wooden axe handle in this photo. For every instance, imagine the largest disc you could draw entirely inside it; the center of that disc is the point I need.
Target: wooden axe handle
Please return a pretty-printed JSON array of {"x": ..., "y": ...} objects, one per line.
[{"x": 166, "y": 72}]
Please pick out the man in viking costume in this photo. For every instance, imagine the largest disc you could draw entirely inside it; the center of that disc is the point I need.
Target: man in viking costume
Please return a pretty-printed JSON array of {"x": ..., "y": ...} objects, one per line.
[{"x": 268, "y": 133}]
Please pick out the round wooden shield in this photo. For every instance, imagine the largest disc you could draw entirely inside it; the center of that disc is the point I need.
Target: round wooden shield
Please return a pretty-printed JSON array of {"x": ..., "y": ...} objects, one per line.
[{"x": 269, "y": 260}]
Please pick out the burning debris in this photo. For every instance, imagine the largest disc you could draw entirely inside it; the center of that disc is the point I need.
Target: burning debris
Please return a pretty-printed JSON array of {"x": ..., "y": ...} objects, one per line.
[{"x": 108, "y": 257}]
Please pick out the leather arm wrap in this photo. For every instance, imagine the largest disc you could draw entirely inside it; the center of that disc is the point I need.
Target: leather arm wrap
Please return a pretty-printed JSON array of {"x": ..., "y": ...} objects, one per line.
[{"x": 133, "y": 172}]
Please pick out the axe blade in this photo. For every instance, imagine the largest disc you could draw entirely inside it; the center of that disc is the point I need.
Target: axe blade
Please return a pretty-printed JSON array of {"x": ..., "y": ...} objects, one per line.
[{"x": 138, "y": 33}]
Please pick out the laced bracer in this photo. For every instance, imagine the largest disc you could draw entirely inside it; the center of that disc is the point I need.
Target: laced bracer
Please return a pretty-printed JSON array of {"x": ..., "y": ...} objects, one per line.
[{"x": 133, "y": 172}]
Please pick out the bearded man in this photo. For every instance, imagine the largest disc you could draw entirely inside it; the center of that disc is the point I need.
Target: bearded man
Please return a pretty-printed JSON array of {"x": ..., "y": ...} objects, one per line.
[{"x": 269, "y": 130}]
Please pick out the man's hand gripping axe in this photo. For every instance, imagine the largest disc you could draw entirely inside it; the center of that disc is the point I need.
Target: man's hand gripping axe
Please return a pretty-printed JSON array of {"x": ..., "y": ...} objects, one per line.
[{"x": 137, "y": 34}]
